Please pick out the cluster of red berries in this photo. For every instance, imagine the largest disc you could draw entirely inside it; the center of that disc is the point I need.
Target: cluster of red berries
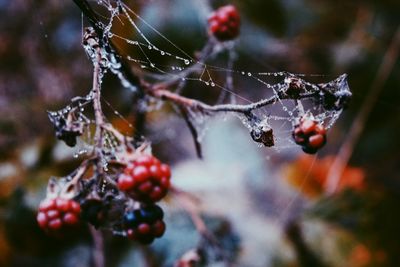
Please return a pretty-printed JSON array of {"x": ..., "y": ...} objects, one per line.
[
  {"x": 58, "y": 213},
  {"x": 145, "y": 224},
  {"x": 145, "y": 179},
  {"x": 310, "y": 135},
  {"x": 224, "y": 23}
]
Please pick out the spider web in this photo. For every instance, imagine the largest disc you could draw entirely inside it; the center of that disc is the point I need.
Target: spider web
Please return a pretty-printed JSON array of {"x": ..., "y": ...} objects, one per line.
[
  {"x": 173, "y": 66},
  {"x": 158, "y": 60}
]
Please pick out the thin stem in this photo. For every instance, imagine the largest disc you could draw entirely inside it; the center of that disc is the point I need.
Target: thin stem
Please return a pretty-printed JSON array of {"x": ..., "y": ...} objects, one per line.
[
  {"x": 98, "y": 247},
  {"x": 192, "y": 130},
  {"x": 346, "y": 150},
  {"x": 201, "y": 106},
  {"x": 98, "y": 113}
]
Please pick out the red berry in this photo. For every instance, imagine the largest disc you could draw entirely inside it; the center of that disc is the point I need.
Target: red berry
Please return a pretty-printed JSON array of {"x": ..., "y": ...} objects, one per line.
[
  {"x": 140, "y": 173},
  {"x": 55, "y": 224},
  {"x": 307, "y": 126},
  {"x": 166, "y": 171},
  {"x": 52, "y": 214},
  {"x": 144, "y": 229},
  {"x": 158, "y": 228},
  {"x": 125, "y": 182},
  {"x": 131, "y": 234},
  {"x": 310, "y": 135},
  {"x": 62, "y": 204},
  {"x": 146, "y": 187},
  {"x": 70, "y": 218},
  {"x": 58, "y": 213},
  {"x": 145, "y": 179},
  {"x": 316, "y": 141},
  {"x": 157, "y": 193},
  {"x": 47, "y": 204},
  {"x": 41, "y": 219},
  {"x": 224, "y": 23},
  {"x": 75, "y": 207}
]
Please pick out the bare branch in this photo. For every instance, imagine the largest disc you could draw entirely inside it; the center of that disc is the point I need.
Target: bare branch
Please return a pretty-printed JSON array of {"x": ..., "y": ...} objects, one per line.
[{"x": 193, "y": 131}]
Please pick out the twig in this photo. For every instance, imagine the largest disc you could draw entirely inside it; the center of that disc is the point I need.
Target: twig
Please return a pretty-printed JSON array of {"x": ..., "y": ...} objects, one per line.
[
  {"x": 193, "y": 131},
  {"x": 201, "y": 106},
  {"x": 346, "y": 150},
  {"x": 98, "y": 247},
  {"x": 98, "y": 113}
]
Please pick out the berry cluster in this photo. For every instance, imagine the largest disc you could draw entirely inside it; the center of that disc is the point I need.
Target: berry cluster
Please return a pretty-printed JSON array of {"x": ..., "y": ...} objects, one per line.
[
  {"x": 310, "y": 135},
  {"x": 224, "y": 23},
  {"x": 145, "y": 224},
  {"x": 58, "y": 213},
  {"x": 145, "y": 179}
]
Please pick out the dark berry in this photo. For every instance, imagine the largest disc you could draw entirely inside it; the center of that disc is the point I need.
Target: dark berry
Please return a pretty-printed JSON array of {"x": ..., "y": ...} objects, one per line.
[
  {"x": 94, "y": 211},
  {"x": 294, "y": 87},
  {"x": 224, "y": 23},
  {"x": 66, "y": 130},
  {"x": 131, "y": 219},
  {"x": 57, "y": 214},
  {"x": 146, "y": 179},
  {"x": 264, "y": 135},
  {"x": 151, "y": 213},
  {"x": 145, "y": 224},
  {"x": 310, "y": 135}
]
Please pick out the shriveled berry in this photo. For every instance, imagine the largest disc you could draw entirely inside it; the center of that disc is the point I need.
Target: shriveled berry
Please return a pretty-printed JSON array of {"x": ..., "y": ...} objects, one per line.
[
  {"x": 145, "y": 179},
  {"x": 57, "y": 214},
  {"x": 224, "y": 23},
  {"x": 94, "y": 211},
  {"x": 294, "y": 87}
]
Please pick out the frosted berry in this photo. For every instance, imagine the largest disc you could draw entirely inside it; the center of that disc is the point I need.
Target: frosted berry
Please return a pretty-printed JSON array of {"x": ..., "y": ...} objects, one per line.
[
  {"x": 146, "y": 179},
  {"x": 310, "y": 135},
  {"x": 58, "y": 213},
  {"x": 224, "y": 23},
  {"x": 145, "y": 224}
]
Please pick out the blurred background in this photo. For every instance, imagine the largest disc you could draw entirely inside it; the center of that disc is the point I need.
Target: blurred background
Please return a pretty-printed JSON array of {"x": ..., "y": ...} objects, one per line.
[{"x": 267, "y": 207}]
